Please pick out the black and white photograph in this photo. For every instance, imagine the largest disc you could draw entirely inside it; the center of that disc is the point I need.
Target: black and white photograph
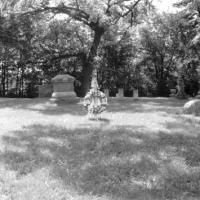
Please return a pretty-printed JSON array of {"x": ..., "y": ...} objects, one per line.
[{"x": 99, "y": 99}]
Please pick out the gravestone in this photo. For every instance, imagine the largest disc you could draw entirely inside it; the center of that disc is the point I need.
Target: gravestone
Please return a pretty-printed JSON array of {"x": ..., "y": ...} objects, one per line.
[
  {"x": 172, "y": 92},
  {"x": 135, "y": 93},
  {"x": 120, "y": 93},
  {"x": 198, "y": 95},
  {"x": 45, "y": 90},
  {"x": 63, "y": 88}
]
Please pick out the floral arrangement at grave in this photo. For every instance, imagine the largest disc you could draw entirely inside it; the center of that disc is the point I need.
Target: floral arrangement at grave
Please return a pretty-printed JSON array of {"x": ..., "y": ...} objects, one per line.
[{"x": 95, "y": 101}]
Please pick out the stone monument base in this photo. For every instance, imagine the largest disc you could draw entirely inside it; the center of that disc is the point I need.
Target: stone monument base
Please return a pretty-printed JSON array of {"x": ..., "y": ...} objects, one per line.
[{"x": 64, "y": 97}]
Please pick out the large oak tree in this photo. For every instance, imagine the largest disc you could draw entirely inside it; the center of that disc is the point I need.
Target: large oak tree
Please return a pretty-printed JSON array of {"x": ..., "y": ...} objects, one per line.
[{"x": 98, "y": 17}]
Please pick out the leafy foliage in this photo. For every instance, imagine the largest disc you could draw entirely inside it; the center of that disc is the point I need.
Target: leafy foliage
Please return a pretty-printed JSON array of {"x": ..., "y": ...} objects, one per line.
[{"x": 137, "y": 47}]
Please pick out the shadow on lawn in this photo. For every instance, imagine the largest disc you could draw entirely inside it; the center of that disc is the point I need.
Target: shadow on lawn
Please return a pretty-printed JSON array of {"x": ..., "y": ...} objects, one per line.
[
  {"x": 13, "y": 102},
  {"x": 43, "y": 105},
  {"x": 122, "y": 163},
  {"x": 168, "y": 105}
]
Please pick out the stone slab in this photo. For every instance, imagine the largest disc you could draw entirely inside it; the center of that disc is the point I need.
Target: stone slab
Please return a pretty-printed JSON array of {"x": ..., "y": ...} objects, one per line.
[
  {"x": 63, "y": 89},
  {"x": 45, "y": 90}
]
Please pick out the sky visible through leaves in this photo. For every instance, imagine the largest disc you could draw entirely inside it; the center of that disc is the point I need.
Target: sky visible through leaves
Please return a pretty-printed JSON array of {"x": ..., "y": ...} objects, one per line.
[{"x": 165, "y": 5}]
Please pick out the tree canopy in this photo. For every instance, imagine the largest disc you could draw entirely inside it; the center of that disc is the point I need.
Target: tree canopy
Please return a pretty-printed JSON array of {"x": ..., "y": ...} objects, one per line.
[{"x": 137, "y": 47}]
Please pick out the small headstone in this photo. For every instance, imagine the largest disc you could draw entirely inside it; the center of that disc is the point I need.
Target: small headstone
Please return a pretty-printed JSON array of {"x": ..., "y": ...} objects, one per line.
[
  {"x": 172, "y": 92},
  {"x": 198, "y": 95},
  {"x": 45, "y": 90},
  {"x": 120, "y": 93},
  {"x": 192, "y": 107},
  {"x": 135, "y": 94}
]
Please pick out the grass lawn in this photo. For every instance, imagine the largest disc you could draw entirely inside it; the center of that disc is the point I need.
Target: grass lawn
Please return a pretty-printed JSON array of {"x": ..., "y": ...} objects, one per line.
[{"x": 143, "y": 150}]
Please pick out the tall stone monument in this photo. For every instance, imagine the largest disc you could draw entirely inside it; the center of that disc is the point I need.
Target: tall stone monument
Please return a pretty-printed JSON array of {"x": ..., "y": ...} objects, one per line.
[
  {"x": 95, "y": 101},
  {"x": 63, "y": 89}
]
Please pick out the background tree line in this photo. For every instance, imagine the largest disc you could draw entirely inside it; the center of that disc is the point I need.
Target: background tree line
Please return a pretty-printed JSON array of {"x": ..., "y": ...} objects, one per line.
[{"x": 137, "y": 47}]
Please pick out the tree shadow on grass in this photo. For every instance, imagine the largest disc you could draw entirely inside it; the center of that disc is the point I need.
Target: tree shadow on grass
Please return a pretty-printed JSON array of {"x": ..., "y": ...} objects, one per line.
[
  {"x": 44, "y": 106},
  {"x": 168, "y": 105},
  {"x": 121, "y": 163},
  {"x": 13, "y": 102},
  {"x": 143, "y": 105}
]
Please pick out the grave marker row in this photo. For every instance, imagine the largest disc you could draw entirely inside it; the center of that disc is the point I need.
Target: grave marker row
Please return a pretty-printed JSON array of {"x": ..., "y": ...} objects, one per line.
[{"x": 120, "y": 93}]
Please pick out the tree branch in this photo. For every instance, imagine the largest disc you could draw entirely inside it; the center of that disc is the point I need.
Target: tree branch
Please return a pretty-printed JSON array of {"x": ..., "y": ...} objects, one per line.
[
  {"x": 68, "y": 55},
  {"x": 62, "y": 56},
  {"x": 73, "y": 12},
  {"x": 108, "y": 7},
  {"x": 131, "y": 8}
]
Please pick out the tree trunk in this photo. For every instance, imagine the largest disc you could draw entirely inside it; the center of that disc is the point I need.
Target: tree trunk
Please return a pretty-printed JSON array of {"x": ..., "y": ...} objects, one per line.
[
  {"x": 88, "y": 61},
  {"x": 7, "y": 80},
  {"x": 17, "y": 85},
  {"x": 87, "y": 73},
  {"x": 22, "y": 81},
  {"x": 181, "y": 87},
  {"x": 3, "y": 80},
  {"x": 161, "y": 88},
  {"x": 22, "y": 66},
  {"x": 17, "y": 90}
]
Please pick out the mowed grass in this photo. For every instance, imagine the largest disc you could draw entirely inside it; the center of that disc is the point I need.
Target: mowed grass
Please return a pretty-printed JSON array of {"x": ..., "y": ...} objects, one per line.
[{"x": 138, "y": 149}]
